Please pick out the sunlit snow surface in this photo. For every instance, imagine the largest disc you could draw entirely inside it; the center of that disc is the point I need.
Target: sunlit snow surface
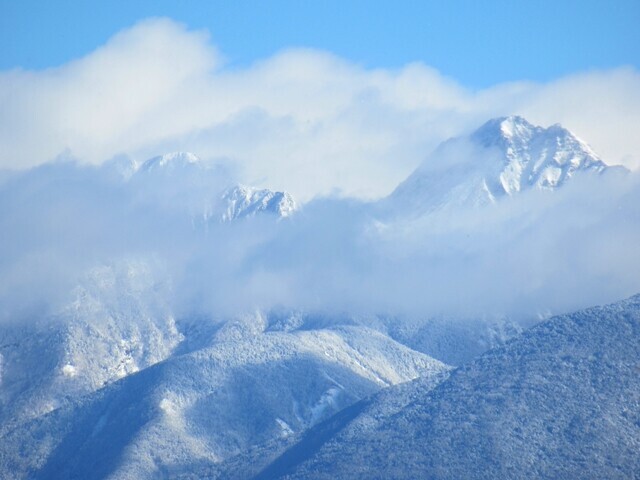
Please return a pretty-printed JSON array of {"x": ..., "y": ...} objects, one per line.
[
  {"x": 561, "y": 401},
  {"x": 247, "y": 384},
  {"x": 162, "y": 320},
  {"x": 503, "y": 157}
]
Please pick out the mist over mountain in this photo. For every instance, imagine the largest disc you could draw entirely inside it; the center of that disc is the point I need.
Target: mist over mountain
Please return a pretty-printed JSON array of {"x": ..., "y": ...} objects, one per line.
[
  {"x": 160, "y": 317},
  {"x": 559, "y": 250},
  {"x": 504, "y": 157}
]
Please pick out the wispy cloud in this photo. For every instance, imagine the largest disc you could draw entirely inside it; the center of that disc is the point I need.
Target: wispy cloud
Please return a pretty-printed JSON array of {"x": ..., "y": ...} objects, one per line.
[{"x": 533, "y": 253}]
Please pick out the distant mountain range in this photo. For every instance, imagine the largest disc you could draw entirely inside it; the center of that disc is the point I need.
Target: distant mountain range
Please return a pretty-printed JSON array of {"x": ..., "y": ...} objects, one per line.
[
  {"x": 186, "y": 175},
  {"x": 105, "y": 373}
]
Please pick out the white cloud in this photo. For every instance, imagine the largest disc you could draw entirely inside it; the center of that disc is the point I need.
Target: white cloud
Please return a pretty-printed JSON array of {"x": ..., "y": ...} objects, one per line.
[
  {"x": 302, "y": 120},
  {"x": 532, "y": 253},
  {"x": 601, "y": 107}
]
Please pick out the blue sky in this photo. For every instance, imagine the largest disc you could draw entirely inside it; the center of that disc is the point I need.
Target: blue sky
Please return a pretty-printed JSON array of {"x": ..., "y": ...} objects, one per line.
[
  {"x": 381, "y": 86},
  {"x": 479, "y": 43}
]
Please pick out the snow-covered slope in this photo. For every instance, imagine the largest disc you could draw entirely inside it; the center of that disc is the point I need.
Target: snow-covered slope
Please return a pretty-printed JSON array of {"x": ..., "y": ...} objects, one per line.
[
  {"x": 117, "y": 323},
  {"x": 451, "y": 339},
  {"x": 561, "y": 401},
  {"x": 227, "y": 388},
  {"x": 503, "y": 157},
  {"x": 126, "y": 349}
]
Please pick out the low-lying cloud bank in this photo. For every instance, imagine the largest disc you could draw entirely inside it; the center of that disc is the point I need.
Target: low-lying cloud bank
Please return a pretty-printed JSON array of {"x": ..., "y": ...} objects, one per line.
[
  {"x": 303, "y": 120},
  {"x": 528, "y": 255}
]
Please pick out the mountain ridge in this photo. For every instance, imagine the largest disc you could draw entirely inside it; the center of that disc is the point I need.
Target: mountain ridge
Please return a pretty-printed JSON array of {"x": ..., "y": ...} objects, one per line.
[
  {"x": 560, "y": 401},
  {"x": 185, "y": 324},
  {"x": 504, "y": 156}
]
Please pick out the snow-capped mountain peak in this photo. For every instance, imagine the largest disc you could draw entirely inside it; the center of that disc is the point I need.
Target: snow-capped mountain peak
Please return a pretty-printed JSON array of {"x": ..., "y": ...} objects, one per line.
[
  {"x": 182, "y": 180},
  {"x": 171, "y": 160},
  {"x": 504, "y": 156},
  {"x": 243, "y": 201},
  {"x": 535, "y": 156},
  {"x": 505, "y": 129}
]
